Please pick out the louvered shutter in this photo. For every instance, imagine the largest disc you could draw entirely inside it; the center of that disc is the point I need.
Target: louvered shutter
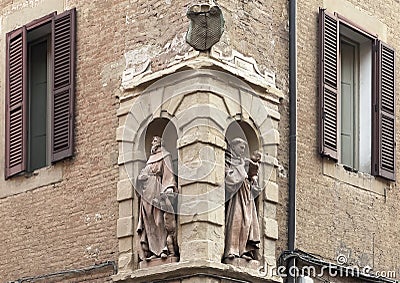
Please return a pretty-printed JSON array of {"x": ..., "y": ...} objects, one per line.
[
  {"x": 16, "y": 103},
  {"x": 63, "y": 33},
  {"x": 384, "y": 162},
  {"x": 329, "y": 87}
]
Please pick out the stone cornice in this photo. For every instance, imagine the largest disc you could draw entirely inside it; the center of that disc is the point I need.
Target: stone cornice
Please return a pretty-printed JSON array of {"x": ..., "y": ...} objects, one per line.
[{"x": 235, "y": 63}]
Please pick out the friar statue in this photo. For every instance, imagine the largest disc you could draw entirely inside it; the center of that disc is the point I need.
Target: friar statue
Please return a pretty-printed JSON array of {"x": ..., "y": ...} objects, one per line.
[
  {"x": 157, "y": 189},
  {"x": 242, "y": 232}
]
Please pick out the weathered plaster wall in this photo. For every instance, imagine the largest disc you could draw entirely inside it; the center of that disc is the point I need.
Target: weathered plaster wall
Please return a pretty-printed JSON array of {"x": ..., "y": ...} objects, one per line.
[{"x": 344, "y": 215}]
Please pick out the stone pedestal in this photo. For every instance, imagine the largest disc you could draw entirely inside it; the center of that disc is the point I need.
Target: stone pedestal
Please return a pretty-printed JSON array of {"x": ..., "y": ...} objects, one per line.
[
  {"x": 158, "y": 261},
  {"x": 243, "y": 263}
]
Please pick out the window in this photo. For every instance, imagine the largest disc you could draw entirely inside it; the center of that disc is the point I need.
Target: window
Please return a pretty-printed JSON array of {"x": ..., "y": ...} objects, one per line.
[
  {"x": 355, "y": 57},
  {"x": 40, "y": 93},
  {"x": 357, "y": 98}
]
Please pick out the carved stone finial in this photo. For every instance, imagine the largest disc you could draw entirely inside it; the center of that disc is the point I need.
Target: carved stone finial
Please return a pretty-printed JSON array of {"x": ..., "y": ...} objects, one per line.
[{"x": 206, "y": 26}]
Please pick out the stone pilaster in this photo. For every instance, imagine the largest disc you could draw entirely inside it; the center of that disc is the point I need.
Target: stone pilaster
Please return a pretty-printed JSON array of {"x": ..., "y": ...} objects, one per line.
[{"x": 201, "y": 214}]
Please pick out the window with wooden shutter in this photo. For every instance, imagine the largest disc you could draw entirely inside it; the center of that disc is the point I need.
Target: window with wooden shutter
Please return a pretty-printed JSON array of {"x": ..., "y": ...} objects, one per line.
[
  {"x": 329, "y": 85},
  {"x": 27, "y": 111},
  {"x": 384, "y": 161},
  {"x": 15, "y": 151},
  {"x": 63, "y": 85},
  {"x": 357, "y": 97}
]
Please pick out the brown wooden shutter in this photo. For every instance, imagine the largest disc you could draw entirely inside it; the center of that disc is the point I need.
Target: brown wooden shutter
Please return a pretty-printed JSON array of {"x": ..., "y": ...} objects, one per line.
[
  {"x": 63, "y": 33},
  {"x": 329, "y": 85},
  {"x": 384, "y": 131},
  {"x": 16, "y": 103}
]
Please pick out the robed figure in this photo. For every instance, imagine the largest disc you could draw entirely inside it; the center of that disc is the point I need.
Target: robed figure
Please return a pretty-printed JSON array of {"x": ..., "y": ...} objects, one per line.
[
  {"x": 157, "y": 188},
  {"x": 242, "y": 232}
]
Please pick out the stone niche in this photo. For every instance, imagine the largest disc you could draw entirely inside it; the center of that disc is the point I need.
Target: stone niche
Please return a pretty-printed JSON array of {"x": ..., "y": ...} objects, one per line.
[{"x": 197, "y": 105}]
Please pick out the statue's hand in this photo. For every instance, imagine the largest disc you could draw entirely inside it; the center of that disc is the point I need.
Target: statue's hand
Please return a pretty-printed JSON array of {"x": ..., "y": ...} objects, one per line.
[
  {"x": 255, "y": 189},
  {"x": 142, "y": 177},
  {"x": 155, "y": 202}
]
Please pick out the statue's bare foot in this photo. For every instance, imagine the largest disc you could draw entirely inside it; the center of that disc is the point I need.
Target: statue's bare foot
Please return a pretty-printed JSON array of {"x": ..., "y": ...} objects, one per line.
[
  {"x": 163, "y": 255},
  {"x": 150, "y": 258}
]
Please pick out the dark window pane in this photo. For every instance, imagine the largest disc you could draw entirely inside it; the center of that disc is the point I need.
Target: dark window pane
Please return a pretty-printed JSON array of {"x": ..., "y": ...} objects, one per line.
[{"x": 37, "y": 105}]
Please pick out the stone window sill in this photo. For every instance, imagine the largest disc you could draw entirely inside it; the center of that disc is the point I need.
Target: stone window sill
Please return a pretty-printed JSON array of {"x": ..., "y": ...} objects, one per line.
[
  {"x": 30, "y": 181},
  {"x": 357, "y": 179}
]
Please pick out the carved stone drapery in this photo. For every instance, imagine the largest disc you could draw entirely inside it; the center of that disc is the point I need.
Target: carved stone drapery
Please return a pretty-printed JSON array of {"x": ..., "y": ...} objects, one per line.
[
  {"x": 156, "y": 187},
  {"x": 242, "y": 229}
]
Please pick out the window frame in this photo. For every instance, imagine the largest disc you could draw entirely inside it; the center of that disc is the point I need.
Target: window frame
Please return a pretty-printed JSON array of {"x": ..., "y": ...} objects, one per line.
[
  {"x": 383, "y": 141},
  {"x": 355, "y": 107},
  {"x": 63, "y": 60}
]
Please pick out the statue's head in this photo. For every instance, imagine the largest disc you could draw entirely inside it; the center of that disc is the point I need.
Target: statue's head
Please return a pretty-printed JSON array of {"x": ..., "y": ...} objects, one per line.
[
  {"x": 238, "y": 146},
  {"x": 256, "y": 155},
  {"x": 155, "y": 143}
]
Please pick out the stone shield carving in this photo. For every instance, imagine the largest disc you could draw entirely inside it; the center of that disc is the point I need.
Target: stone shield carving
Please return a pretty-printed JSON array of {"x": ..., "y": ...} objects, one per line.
[{"x": 206, "y": 26}]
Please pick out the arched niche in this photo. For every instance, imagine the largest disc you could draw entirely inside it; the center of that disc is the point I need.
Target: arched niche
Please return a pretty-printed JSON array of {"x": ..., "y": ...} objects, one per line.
[
  {"x": 165, "y": 129},
  {"x": 158, "y": 213},
  {"x": 247, "y": 132},
  {"x": 242, "y": 129},
  {"x": 243, "y": 201}
]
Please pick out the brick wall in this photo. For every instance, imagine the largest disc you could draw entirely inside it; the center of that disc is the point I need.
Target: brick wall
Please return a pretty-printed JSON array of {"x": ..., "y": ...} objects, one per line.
[
  {"x": 72, "y": 223},
  {"x": 332, "y": 216}
]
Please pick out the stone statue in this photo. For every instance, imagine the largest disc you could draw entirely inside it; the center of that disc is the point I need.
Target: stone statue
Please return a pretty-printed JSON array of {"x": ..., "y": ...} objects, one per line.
[
  {"x": 242, "y": 232},
  {"x": 157, "y": 224}
]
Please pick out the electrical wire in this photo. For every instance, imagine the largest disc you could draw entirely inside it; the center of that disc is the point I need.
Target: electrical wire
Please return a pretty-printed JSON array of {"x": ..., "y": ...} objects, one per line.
[{"x": 68, "y": 272}]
